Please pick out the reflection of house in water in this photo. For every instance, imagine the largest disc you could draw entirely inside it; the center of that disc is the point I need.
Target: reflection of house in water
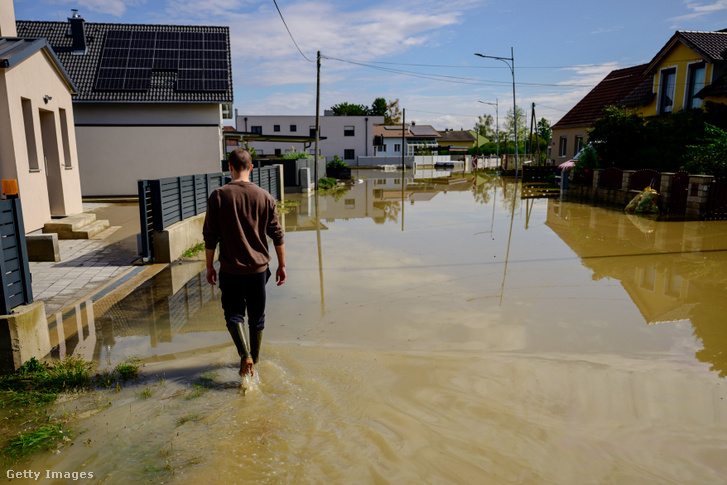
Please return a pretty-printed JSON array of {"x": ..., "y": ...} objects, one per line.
[
  {"x": 169, "y": 304},
  {"x": 672, "y": 271},
  {"x": 377, "y": 195}
]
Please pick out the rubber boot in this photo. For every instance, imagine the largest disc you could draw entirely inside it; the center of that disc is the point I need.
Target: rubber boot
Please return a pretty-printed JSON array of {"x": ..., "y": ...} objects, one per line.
[
  {"x": 238, "y": 337},
  {"x": 256, "y": 339}
]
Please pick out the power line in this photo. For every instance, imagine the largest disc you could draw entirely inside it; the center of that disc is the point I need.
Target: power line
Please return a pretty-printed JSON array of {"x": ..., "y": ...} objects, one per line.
[
  {"x": 289, "y": 33},
  {"x": 451, "y": 79}
]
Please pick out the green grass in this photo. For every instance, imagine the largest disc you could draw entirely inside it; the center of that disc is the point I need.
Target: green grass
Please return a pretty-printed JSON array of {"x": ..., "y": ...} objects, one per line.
[
  {"x": 202, "y": 384},
  {"x": 191, "y": 252},
  {"x": 25, "y": 396},
  {"x": 40, "y": 439},
  {"x": 145, "y": 394},
  {"x": 326, "y": 183},
  {"x": 188, "y": 418}
]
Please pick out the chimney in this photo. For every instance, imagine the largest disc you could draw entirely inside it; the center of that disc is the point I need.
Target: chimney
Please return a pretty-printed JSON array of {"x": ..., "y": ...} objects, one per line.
[{"x": 78, "y": 33}]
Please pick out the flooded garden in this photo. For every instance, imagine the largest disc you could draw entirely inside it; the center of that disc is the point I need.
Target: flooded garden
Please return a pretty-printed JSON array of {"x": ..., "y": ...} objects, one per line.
[{"x": 434, "y": 328}]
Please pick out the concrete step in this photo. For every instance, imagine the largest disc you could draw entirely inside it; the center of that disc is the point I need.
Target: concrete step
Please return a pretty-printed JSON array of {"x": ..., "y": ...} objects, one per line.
[
  {"x": 106, "y": 232},
  {"x": 68, "y": 224},
  {"x": 86, "y": 232}
]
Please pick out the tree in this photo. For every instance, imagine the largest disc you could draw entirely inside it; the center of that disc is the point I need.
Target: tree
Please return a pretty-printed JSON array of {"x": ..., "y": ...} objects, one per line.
[
  {"x": 522, "y": 129},
  {"x": 393, "y": 113},
  {"x": 379, "y": 107},
  {"x": 348, "y": 109},
  {"x": 485, "y": 126},
  {"x": 544, "y": 131},
  {"x": 710, "y": 155}
]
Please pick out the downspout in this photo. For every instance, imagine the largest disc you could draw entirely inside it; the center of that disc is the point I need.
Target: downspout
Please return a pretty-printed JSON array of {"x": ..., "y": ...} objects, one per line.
[{"x": 366, "y": 139}]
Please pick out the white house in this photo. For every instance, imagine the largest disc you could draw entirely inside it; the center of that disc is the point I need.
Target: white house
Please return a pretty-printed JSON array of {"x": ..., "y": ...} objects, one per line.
[
  {"x": 348, "y": 137},
  {"x": 150, "y": 98},
  {"x": 37, "y": 140},
  {"x": 388, "y": 139}
]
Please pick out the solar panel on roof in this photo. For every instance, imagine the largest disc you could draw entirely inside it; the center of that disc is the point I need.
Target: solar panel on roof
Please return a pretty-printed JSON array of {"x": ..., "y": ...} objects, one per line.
[{"x": 128, "y": 58}]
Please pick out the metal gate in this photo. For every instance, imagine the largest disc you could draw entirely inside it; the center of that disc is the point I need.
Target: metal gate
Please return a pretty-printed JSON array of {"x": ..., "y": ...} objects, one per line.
[
  {"x": 717, "y": 200},
  {"x": 678, "y": 194}
]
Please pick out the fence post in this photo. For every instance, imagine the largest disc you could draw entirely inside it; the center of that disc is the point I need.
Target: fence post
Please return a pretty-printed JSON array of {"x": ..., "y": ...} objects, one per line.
[
  {"x": 146, "y": 255},
  {"x": 22, "y": 251},
  {"x": 194, "y": 193},
  {"x": 157, "y": 217}
]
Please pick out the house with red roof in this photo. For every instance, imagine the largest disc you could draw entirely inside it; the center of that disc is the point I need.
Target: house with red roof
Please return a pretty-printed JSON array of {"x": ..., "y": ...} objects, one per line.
[{"x": 621, "y": 87}]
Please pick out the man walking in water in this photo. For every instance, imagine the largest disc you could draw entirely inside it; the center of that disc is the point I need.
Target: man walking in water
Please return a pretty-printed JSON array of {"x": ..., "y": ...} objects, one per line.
[{"x": 239, "y": 216}]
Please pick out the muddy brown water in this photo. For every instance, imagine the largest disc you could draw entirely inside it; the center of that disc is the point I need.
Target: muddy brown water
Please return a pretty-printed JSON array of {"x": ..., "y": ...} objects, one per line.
[{"x": 446, "y": 332}]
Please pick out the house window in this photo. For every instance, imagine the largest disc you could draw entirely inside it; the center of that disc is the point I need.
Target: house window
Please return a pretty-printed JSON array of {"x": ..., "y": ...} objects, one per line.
[
  {"x": 312, "y": 131},
  {"x": 348, "y": 131},
  {"x": 667, "y": 89},
  {"x": 256, "y": 129},
  {"x": 277, "y": 152},
  {"x": 349, "y": 203},
  {"x": 276, "y": 128},
  {"x": 695, "y": 83},
  {"x": 382, "y": 149},
  {"x": 64, "y": 138},
  {"x": 349, "y": 154},
  {"x": 563, "y": 146},
  {"x": 293, "y": 128},
  {"x": 30, "y": 134},
  {"x": 579, "y": 143},
  {"x": 397, "y": 147}
]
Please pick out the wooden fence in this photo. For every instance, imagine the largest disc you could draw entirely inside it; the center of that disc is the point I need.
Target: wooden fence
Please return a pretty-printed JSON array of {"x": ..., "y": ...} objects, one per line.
[{"x": 14, "y": 269}]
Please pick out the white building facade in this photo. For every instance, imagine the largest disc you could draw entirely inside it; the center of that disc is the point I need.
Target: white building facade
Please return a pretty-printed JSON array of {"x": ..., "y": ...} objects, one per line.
[
  {"x": 348, "y": 137},
  {"x": 37, "y": 140}
]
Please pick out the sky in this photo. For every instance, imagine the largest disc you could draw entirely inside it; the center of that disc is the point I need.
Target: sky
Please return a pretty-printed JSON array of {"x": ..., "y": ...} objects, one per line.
[{"x": 421, "y": 52}]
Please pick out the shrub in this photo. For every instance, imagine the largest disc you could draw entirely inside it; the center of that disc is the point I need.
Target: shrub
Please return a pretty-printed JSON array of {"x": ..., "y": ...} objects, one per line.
[
  {"x": 336, "y": 163},
  {"x": 710, "y": 155},
  {"x": 296, "y": 155}
]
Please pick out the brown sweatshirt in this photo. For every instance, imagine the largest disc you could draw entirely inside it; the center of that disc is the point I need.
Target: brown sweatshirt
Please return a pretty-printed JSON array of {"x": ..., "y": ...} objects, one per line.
[{"x": 239, "y": 215}]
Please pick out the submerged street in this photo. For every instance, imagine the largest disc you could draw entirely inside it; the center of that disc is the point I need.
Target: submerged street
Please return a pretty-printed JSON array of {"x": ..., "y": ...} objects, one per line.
[{"x": 443, "y": 330}]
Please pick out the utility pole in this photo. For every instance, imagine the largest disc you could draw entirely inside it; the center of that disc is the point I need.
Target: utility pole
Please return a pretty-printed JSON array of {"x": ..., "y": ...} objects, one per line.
[{"x": 318, "y": 115}]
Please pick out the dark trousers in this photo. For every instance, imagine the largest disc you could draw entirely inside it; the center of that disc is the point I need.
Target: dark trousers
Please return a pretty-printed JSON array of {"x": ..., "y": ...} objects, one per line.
[{"x": 241, "y": 292}]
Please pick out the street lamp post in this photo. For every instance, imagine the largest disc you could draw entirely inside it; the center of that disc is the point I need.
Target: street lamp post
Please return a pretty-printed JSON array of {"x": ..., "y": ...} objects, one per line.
[
  {"x": 496, "y": 104},
  {"x": 511, "y": 65}
]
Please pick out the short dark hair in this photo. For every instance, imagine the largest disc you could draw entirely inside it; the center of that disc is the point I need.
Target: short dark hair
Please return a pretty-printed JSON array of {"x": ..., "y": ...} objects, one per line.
[{"x": 240, "y": 159}]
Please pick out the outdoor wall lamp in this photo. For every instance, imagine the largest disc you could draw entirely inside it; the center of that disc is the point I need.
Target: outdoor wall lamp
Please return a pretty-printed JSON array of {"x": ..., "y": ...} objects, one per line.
[{"x": 46, "y": 98}]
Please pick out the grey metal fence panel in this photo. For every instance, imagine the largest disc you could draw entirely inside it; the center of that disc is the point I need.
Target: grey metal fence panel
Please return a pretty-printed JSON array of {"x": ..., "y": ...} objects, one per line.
[{"x": 14, "y": 270}]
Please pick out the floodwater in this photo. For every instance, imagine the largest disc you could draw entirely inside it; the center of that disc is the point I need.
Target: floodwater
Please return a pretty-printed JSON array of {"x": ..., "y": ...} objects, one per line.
[{"x": 443, "y": 332}]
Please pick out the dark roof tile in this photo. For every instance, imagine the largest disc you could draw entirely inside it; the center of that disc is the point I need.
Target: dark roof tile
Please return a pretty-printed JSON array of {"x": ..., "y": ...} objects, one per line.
[
  {"x": 612, "y": 90},
  {"x": 83, "y": 68}
]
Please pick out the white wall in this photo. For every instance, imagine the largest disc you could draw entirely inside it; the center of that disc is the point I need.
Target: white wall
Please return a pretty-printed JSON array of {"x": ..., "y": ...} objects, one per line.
[
  {"x": 7, "y": 19},
  {"x": 113, "y": 159},
  {"x": 119, "y": 144},
  {"x": 33, "y": 79},
  {"x": 332, "y": 127}
]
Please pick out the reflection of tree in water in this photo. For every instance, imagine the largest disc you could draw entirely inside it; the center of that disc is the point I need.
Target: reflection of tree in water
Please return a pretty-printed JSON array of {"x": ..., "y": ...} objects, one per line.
[
  {"x": 336, "y": 192},
  {"x": 391, "y": 210},
  {"x": 483, "y": 188}
]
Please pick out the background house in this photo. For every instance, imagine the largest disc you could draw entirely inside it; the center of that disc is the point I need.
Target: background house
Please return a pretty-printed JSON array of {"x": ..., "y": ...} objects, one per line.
[
  {"x": 683, "y": 71},
  {"x": 37, "y": 141},
  {"x": 150, "y": 98},
  {"x": 457, "y": 140},
  {"x": 622, "y": 87},
  {"x": 688, "y": 71},
  {"x": 388, "y": 138},
  {"x": 346, "y": 136}
]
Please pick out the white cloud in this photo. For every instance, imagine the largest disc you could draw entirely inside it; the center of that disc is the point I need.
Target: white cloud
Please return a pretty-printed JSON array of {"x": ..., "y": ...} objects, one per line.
[
  {"x": 116, "y": 8},
  {"x": 699, "y": 9}
]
